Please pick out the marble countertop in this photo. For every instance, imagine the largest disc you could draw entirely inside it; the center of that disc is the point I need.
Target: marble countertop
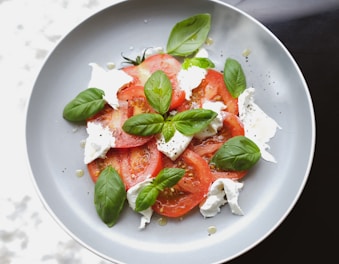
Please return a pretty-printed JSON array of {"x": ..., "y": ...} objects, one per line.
[{"x": 30, "y": 29}]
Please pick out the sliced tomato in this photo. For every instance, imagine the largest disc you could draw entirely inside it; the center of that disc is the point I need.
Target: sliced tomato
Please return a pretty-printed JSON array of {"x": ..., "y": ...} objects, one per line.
[
  {"x": 233, "y": 175},
  {"x": 133, "y": 71},
  {"x": 189, "y": 191},
  {"x": 212, "y": 88},
  {"x": 168, "y": 64},
  {"x": 137, "y": 102},
  {"x": 114, "y": 119},
  {"x": 140, "y": 163},
  {"x": 134, "y": 164},
  {"x": 113, "y": 158},
  {"x": 206, "y": 148},
  {"x": 215, "y": 89},
  {"x": 129, "y": 92}
]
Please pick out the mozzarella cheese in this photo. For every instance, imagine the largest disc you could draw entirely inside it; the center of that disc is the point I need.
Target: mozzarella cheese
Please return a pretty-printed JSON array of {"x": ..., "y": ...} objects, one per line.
[
  {"x": 132, "y": 195},
  {"x": 108, "y": 81},
  {"x": 202, "y": 53},
  {"x": 152, "y": 51},
  {"x": 222, "y": 191},
  {"x": 175, "y": 146},
  {"x": 216, "y": 124},
  {"x": 98, "y": 142},
  {"x": 258, "y": 126},
  {"x": 190, "y": 79}
]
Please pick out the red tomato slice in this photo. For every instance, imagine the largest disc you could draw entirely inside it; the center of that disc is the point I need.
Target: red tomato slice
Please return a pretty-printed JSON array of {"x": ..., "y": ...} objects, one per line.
[
  {"x": 208, "y": 147},
  {"x": 168, "y": 65},
  {"x": 134, "y": 164},
  {"x": 212, "y": 88},
  {"x": 233, "y": 175},
  {"x": 137, "y": 102},
  {"x": 189, "y": 191},
  {"x": 131, "y": 91},
  {"x": 216, "y": 90},
  {"x": 95, "y": 167},
  {"x": 139, "y": 163},
  {"x": 114, "y": 119}
]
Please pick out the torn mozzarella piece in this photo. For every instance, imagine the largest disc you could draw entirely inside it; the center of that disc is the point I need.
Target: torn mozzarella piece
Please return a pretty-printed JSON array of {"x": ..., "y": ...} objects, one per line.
[
  {"x": 216, "y": 124},
  {"x": 202, "y": 53},
  {"x": 132, "y": 195},
  {"x": 175, "y": 146},
  {"x": 222, "y": 191},
  {"x": 259, "y": 127},
  {"x": 98, "y": 142},
  {"x": 153, "y": 51},
  {"x": 109, "y": 81},
  {"x": 190, "y": 79}
]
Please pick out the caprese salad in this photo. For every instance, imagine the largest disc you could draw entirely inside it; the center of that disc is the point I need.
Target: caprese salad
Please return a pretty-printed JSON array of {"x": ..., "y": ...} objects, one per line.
[{"x": 168, "y": 132}]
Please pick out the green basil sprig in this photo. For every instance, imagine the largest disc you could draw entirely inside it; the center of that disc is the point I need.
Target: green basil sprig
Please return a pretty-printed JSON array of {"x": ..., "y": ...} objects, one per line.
[
  {"x": 166, "y": 178},
  {"x": 158, "y": 91},
  {"x": 188, "y": 35},
  {"x": 237, "y": 154},
  {"x": 234, "y": 77},
  {"x": 109, "y": 196},
  {"x": 188, "y": 123},
  {"x": 84, "y": 105}
]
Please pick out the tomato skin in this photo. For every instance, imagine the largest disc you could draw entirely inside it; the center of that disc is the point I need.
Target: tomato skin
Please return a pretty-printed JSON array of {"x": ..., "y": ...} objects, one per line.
[
  {"x": 189, "y": 191},
  {"x": 165, "y": 62},
  {"x": 133, "y": 164}
]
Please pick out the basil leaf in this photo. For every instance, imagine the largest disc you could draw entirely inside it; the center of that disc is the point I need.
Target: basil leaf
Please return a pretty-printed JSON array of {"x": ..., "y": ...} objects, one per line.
[
  {"x": 204, "y": 63},
  {"x": 166, "y": 178},
  {"x": 234, "y": 77},
  {"x": 168, "y": 131},
  {"x": 109, "y": 196},
  {"x": 237, "y": 154},
  {"x": 188, "y": 35},
  {"x": 158, "y": 91},
  {"x": 144, "y": 124},
  {"x": 193, "y": 121},
  {"x": 146, "y": 197},
  {"x": 84, "y": 105}
]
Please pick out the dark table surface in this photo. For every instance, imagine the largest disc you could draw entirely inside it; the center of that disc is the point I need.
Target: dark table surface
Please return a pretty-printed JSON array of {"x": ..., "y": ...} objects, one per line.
[{"x": 310, "y": 231}]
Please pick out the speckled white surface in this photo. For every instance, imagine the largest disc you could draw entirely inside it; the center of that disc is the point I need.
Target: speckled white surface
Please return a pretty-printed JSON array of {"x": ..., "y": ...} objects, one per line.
[{"x": 29, "y": 31}]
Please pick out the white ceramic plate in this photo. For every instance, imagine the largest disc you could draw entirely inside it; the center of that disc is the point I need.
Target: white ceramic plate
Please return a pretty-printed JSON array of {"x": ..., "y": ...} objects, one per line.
[{"x": 270, "y": 191}]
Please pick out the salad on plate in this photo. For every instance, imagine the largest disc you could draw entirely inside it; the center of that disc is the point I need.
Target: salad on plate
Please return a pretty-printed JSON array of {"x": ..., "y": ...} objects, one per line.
[{"x": 168, "y": 132}]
